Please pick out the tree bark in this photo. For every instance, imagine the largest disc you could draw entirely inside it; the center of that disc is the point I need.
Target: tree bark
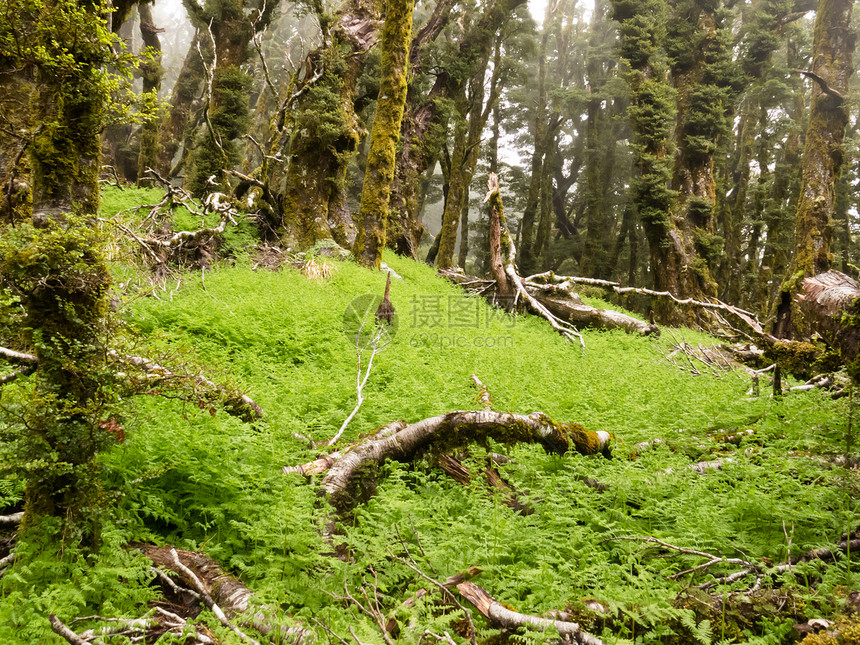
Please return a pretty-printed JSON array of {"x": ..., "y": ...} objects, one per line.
[
  {"x": 832, "y": 51},
  {"x": 373, "y": 214},
  {"x": 324, "y": 128},
  {"x": 152, "y": 73},
  {"x": 446, "y": 432},
  {"x": 425, "y": 124},
  {"x": 172, "y": 133}
]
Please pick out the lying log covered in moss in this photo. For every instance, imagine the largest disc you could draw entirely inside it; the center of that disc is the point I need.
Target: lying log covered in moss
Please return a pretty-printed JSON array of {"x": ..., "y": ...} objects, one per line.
[{"x": 405, "y": 442}]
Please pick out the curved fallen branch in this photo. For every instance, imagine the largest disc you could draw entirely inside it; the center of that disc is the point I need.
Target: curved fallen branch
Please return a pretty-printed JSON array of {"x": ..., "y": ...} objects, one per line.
[
  {"x": 501, "y": 616},
  {"x": 224, "y": 594},
  {"x": 445, "y": 432}
]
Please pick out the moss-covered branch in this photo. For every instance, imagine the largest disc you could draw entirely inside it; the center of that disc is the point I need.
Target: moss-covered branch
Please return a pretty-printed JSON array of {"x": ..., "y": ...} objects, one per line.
[{"x": 447, "y": 432}]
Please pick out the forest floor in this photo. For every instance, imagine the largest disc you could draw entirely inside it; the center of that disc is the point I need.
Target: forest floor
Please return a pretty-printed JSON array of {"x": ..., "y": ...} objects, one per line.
[{"x": 199, "y": 479}]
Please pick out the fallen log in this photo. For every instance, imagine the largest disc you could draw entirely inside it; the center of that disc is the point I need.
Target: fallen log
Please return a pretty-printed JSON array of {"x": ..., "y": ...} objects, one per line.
[
  {"x": 565, "y": 306},
  {"x": 223, "y": 593},
  {"x": 443, "y": 433},
  {"x": 583, "y": 315},
  {"x": 499, "y": 615}
]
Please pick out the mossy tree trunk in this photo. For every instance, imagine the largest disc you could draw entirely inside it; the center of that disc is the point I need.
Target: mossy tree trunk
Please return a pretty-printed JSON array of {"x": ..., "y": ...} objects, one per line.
[
  {"x": 15, "y": 187},
  {"x": 324, "y": 129},
  {"x": 781, "y": 206},
  {"x": 51, "y": 430},
  {"x": 425, "y": 125},
  {"x": 180, "y": 118},
  {"x": 422, "y": 128},
  {"x": 379, "y": 174},
  {"x": 152, "y": 73},
  {"x": 230, "y": 25},
  {"x": 832, "y": 51},
  {"x": 676, "y": 199},
  {"x": 457, "y": 187},
  {"x": 651, "y": 113},
  {"x": 65, "y": 153}
]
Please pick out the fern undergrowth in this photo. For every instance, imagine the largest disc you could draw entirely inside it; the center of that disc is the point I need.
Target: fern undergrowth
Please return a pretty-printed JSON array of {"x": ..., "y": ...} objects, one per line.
[{"x": 203, "y": 480}]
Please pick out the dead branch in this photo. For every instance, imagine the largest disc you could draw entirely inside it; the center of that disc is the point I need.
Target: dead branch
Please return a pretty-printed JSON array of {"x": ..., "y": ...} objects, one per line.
[
  {"x": 14, "y": 374},
  {"x": 59, "y": 628},
  {"x": 445, "y": 588},
  {"x": 501, "y": 616},
  {"x": 563, "y": 303},
  {"x": 19, "y": 357},
  {"x": 849, "y": 544},
  {"x": 452, "y": 430},
  {"x": 747, "y": 317},
  {"x": 235, "y": 403},
  {"x": 822, "y": 84},
  {"x": 11, "y": 520},
  {"x": 377, "y": 342},
  {"x": 370, "y": 607}
]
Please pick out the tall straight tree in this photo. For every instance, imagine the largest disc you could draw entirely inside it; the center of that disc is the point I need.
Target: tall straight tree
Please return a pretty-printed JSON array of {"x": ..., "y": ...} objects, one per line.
[
  {"x": 373, "y": 214},
  {"x": 426, "y": 119},
  {"x": 832, "y": 51}
]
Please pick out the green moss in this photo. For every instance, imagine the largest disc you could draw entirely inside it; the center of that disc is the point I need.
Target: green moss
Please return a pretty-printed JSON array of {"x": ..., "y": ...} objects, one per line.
[
  {"x": 229, "y": 116},
  {"x": 796, "y": 357},
  {"x": 50, "y": 426}
]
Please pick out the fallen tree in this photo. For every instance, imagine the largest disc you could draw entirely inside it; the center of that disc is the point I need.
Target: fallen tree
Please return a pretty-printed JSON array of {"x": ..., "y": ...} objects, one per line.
[
  {"x": 561, "y": 307},
  {"x": 404, "y": 442}
]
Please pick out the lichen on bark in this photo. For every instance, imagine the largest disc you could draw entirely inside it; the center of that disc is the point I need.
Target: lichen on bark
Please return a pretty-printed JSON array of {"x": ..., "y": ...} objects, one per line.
[{"x": 372, "y": 221}]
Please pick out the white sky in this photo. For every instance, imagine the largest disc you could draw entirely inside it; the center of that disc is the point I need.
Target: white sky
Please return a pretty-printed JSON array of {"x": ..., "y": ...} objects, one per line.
[{"x": 538, "y": 10}]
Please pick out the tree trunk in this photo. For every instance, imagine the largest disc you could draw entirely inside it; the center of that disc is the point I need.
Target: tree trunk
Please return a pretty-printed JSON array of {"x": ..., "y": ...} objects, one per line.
[
  {"x": 539, "y": 148},
  {"x": 779, "y": 211},
  {"x": 152, "y": 73},
  {"x": 373, "y": 215},
  {"x": 418, "y": 151},
  {"x": 832, "y": 50},
  {"x": 325, "y": 130},
  {"x": 173, "y": 133},
  {"x": 424, "y": 125}
]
